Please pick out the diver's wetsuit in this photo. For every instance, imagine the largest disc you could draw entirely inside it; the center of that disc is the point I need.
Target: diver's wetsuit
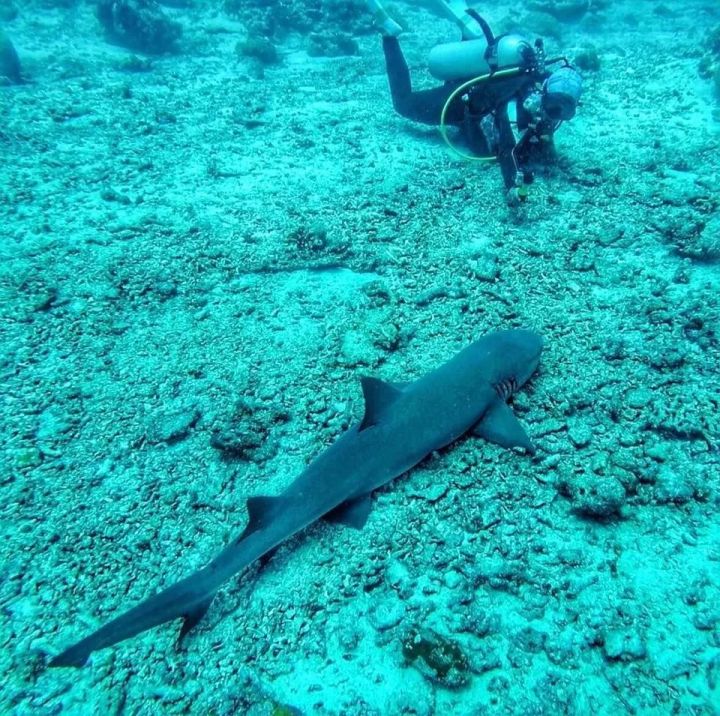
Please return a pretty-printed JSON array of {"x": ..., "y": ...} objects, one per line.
[{"x": 490, "y": 101}]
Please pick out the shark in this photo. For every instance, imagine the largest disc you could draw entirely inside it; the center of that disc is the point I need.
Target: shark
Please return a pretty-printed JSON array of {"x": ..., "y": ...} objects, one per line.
[{"x": 402, "y": 424}]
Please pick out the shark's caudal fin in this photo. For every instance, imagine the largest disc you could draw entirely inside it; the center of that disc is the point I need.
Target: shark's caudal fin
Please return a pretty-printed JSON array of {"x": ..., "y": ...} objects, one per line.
[
  {"x": 76, "y": 655},
  {"x": 188, "y": 598},
  {"x": 129, "y": 624},
  {"x": 500, "y": 426}
]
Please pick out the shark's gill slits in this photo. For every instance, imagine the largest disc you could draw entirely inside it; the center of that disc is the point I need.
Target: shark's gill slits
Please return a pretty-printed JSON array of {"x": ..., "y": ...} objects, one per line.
[{"x": 505, "y": 388}]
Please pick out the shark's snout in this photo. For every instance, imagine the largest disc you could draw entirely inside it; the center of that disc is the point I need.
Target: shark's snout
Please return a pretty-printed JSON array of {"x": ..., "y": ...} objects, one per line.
[
  {"x": 535, "y": 346},
  {"x": 518, "y": 354},
  {"x": 530, "y": 349},
  {"x": 530, "y": 343}
]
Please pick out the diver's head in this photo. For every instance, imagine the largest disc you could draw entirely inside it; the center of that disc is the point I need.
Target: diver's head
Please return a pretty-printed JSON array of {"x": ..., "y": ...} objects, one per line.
[{"x": 561, "y": 94}]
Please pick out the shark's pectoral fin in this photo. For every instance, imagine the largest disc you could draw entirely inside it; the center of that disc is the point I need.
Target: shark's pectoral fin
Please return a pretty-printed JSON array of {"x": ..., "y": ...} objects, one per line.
[
  {"x": 379, "y": 396},
  {"x": 353, "y": 513},
  {"x": 268, "y": 556},
  {"x": 191, "y": 619},
  {"x": 500, "y": 426},
  {"x": 401, "y": 384}
]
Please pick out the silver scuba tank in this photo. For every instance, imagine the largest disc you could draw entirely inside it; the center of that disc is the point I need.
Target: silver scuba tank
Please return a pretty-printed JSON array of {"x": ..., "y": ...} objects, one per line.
[{"x": 462, "y": 60}]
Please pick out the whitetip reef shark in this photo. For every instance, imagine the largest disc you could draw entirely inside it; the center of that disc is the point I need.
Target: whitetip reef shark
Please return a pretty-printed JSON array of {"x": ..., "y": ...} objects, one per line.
[{"x": 403, "y": 423}]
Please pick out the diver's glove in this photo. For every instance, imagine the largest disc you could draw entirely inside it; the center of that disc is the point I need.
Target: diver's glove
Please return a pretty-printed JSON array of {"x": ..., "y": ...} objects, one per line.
[
  {"x": 516, "y": 196},
  {"x": 387, "y": 25}
]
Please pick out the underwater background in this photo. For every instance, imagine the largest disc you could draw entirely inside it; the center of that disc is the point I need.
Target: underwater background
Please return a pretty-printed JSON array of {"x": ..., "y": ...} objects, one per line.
[{"x": 214, "y": 223}]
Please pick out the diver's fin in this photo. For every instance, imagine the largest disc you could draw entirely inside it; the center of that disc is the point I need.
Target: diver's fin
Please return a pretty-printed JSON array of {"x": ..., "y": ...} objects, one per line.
[
  {"x": 386, "y": 24},
  {"x": 457, "y": 11},
  {"x": 353, "y": 513},
  {"x": 500, "y": 426},
  {"x": 379, "y": 396}
]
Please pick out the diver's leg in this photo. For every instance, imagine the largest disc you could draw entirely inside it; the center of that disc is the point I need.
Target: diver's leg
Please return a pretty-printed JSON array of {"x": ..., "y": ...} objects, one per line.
[
  {"x": 387, "y": 25},
  {"x": 456, "y": 11},
  {"x": 424, "y": 106},
  {"x": 397, "y": 72}
]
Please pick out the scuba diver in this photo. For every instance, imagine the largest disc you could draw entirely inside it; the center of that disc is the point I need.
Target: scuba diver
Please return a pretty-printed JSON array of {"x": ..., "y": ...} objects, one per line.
[{"x": 497, "y": 90}]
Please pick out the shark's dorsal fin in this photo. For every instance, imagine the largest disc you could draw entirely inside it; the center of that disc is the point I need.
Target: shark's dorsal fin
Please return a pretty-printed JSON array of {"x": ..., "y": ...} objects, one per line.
[
  {"x": 379, "y": 396},
  {"x": 261, "y": 510},
  {"x": 500, "y": 426},
  {"x": 353, "y": 513}
]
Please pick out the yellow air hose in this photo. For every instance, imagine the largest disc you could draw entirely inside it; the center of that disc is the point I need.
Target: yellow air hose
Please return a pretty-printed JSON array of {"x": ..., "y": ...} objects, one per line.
[{"x": 509, "y": 72}]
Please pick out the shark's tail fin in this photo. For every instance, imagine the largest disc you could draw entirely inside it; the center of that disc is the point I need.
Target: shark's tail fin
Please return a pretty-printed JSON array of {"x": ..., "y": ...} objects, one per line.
[
  {"x": 184, "y": 599},
  {"x": 189, "y": 598},
  {"x": 76, "y": 655}
]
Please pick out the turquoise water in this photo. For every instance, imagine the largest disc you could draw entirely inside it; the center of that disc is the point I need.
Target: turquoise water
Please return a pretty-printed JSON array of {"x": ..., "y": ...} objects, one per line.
[{"x": 213, "y": 227}]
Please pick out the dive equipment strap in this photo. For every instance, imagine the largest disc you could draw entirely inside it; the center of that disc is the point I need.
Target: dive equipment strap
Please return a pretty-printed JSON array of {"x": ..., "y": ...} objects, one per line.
[
  {"x": 489, "y": 37},
  {"x": 458, "y": 91}
]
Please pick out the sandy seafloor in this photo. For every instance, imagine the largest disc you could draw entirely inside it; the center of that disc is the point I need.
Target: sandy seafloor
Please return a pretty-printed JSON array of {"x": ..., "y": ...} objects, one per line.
[{"x": 170, "y": 347}]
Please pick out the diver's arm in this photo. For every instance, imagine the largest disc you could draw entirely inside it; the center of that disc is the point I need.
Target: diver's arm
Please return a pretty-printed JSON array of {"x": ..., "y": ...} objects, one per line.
[
  {"x": 506, "y": 147},
  {"x": 423, "y": 106}
]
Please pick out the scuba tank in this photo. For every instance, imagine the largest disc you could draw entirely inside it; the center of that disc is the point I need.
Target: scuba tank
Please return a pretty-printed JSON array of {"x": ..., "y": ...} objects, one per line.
[{"x": 470, "y": 58}]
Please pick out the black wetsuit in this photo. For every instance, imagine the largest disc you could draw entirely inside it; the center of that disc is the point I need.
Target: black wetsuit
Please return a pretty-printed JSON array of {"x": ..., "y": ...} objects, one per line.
[{"x": 488, "y": 102}]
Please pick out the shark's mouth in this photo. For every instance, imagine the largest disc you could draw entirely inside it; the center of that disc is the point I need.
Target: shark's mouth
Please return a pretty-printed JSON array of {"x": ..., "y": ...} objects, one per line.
[{"x": 505, "y": 388}]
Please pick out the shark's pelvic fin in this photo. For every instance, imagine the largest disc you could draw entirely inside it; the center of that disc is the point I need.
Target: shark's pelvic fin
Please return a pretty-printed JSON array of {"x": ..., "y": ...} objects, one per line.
[
  {"x": 500, "y": 426},
  {"x": 353, "y": 513},
  {"x": 194, "y": 616},
  {"x": 379, "y": 396}
]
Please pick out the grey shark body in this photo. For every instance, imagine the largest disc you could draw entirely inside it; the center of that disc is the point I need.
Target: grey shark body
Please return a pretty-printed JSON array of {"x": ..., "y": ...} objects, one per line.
[{"x": 402, "y": 424}]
